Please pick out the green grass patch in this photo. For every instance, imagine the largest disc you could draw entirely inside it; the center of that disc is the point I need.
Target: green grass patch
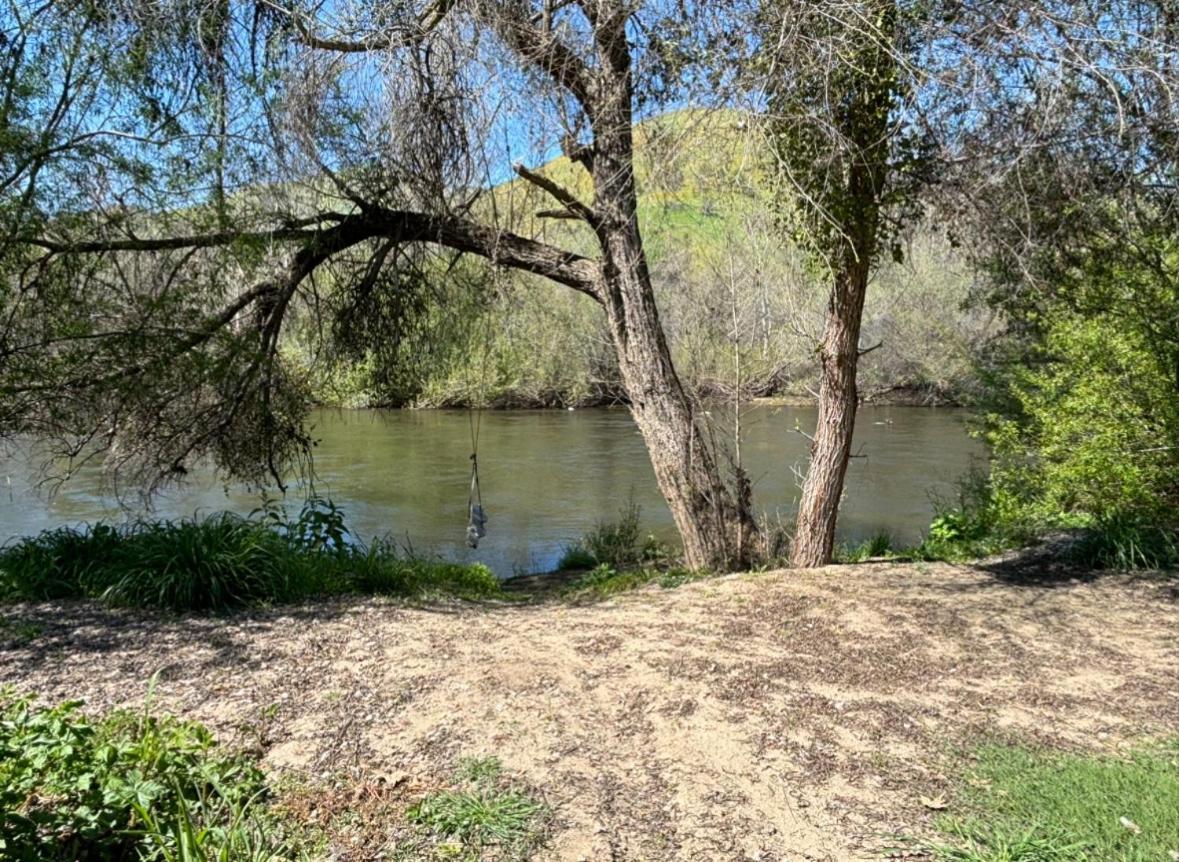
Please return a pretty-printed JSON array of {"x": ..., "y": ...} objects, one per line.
[
  {"x": 225, "y": 561},
  {"x": 127, "y": 786},
  {"x": 604, "y": 581},
  {"x": 484, "y": 810},
  {"x": 1028, "y": 805}
]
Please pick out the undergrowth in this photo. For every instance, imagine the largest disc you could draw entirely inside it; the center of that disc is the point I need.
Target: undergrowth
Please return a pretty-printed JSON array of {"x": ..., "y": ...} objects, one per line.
[
  {"x": 131, "y": 785},
  {"x": 618, "y": 543},
  {"x": 1028, "y": 805},
  {"x": 224, "y": 561}
]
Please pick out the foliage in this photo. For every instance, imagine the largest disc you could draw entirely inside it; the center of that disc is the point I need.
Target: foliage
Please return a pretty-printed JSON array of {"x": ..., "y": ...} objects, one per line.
[
  {"x": 616, "y": 544},
  {"x": 483, "y": 810},
  {"x": 982, "y": 521},
  {"x": 76, "y": 789},
  {"x": 838, "y": 124},
  {"x": 1030, "y": 805},
  {"x": 1095, "y": 436},
  {"x": 225, "y": 561},
  {"x": 879, "y": 544}
]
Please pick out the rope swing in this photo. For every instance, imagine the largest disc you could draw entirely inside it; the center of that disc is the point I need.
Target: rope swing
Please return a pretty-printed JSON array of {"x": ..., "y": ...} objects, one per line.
[{"x": 476, "y": 516}]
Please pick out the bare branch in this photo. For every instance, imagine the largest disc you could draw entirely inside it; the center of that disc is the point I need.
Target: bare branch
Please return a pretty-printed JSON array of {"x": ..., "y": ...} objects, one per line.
[{"x": 560, "y": 194}]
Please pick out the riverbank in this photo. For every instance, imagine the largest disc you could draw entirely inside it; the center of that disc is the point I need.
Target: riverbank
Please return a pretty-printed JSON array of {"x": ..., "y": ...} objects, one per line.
[
  {"x": 769, "y": 716},
  {"x": 881, "y": 396}
]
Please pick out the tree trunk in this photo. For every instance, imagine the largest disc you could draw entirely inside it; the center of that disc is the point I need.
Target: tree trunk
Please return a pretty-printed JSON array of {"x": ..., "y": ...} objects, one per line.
[
  {"x": 715, "y": 525},
  {"x": 814, "y": 536}
]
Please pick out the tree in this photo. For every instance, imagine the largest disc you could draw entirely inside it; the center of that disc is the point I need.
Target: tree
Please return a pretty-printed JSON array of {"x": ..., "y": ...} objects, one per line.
[
  {"x": 849, "y": 155},
  {"x": 145, "y": 317}
]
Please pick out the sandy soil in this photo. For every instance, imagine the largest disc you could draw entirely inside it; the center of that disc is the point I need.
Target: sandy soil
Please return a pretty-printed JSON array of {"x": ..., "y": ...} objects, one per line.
[{"x": 779, "y": 716}]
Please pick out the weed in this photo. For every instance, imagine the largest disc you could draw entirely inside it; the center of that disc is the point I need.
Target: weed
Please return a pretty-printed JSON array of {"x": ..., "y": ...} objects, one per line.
[
  {"x": 76, "y": 789},
  {"x": 481, "y": 811}
]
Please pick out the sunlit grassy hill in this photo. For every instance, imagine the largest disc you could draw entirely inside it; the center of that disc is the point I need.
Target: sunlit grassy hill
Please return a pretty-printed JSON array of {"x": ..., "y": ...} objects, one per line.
[{"x": 737, "y": 298}]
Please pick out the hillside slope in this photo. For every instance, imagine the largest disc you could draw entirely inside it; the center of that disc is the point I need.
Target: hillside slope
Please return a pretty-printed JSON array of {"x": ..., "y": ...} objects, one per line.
[{"x": 735, "y": 295}]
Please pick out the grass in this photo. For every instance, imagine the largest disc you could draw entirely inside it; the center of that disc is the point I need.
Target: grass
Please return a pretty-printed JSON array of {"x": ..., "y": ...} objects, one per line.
[
  {"x": 1028, "y": 805},
  {"x": 224, "y": 561},
  {"x": 880, "y": 544},
  {"x": 482, "y": 810}
]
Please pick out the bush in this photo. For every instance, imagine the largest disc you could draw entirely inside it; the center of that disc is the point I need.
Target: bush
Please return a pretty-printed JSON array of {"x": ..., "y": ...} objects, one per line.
[
  {"x": 224, "y": 561},
  {"x": 1090, "y": 439},
  {"x": 983, "y": 521},
  {"x": 73, "y": 789},
  {"x": 615, "y": 543}
]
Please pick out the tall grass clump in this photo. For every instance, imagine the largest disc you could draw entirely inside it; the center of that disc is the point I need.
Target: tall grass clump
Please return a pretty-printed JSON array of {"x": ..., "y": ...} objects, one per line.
[
  {"x": 224, "y": 561},
  {"x": 879, "y": 544}
]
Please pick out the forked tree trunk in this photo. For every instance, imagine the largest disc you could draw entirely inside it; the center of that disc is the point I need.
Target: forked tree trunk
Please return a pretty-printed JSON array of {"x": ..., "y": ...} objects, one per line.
[{"x": 822, "y": 490}]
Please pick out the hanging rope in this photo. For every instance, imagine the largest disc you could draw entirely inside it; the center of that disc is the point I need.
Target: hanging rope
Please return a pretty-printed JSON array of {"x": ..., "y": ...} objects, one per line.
[{"x": 476, "y": 516}]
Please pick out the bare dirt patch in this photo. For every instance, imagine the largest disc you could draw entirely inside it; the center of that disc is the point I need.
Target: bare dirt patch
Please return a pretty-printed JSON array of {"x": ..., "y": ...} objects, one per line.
[{"x": 783, "y": 716}]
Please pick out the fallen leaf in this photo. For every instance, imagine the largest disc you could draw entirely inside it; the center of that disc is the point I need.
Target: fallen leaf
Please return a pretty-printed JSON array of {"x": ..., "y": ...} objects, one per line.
[
  {"x": 935, "y": 803},
  {"x": 1131, "y": 825}
]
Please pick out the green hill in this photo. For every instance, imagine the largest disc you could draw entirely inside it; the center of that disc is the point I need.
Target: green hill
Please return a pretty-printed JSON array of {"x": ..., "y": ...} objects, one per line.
[{"x": 732, "y": 291}]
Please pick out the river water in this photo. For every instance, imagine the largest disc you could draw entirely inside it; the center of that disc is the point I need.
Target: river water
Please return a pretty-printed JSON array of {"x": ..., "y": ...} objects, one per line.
[{"x": 547, "y": 477}]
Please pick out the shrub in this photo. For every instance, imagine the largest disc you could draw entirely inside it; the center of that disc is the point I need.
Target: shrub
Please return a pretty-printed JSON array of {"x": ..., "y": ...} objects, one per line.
[
  {"x": 1090, "y": 438},
  {"x": 615, "y": 543},
  {"x": 73, "y": 789}
]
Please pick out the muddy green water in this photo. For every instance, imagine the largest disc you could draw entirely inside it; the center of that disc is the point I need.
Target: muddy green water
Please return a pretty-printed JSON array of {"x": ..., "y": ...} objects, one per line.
[{"x": 547, "y": 477}]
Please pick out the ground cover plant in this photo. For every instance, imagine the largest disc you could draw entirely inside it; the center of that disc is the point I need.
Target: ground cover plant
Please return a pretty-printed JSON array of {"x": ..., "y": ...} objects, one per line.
[
  {"x": 126, "y": 786},
  {"x": 1021, "y": 804},
  {"x": 483, "y": 811},
  {"x": 224, "y": 561}
]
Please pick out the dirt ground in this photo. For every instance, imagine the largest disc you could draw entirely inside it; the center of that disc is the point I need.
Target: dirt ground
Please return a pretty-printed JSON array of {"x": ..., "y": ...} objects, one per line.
[{"x": 778, "y": 716}]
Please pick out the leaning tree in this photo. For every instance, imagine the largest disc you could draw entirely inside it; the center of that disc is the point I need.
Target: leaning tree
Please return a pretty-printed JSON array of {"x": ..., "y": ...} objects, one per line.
[{"x": 237, "y": 161}]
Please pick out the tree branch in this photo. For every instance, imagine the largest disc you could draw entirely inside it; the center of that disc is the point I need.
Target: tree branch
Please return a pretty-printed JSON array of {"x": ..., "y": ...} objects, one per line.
[
  {"x": 511, "y": 19},
  {"x": 501, "y": 247},
  {"x": 561, "y": 194},
  {"x": 400, "y": 37}
]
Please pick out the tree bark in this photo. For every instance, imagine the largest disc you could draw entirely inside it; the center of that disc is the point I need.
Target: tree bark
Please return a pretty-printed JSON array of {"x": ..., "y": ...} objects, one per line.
[
  {"x": 822, "y": 490},
  {"x": 715, "y": 525}
]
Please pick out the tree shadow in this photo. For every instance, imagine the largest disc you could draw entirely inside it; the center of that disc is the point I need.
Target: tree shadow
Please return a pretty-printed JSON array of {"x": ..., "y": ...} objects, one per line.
[{"x": 34, "y": 634}]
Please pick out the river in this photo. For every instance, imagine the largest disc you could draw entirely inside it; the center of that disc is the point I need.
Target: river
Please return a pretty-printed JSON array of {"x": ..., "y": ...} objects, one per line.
[{"x": 547, "y": 477}]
